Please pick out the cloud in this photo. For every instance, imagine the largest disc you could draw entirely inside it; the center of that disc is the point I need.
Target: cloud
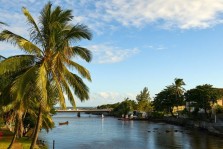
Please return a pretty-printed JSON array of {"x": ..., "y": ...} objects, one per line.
[
  {"x": 110, "y": 97},
  {"x": 106, "y": 53},
  {"x": 100, "y": 98},
  {"x": 104, "y": 15},
  {"x": 183, "y": 14},
  {"x": 155, "y": 47}
]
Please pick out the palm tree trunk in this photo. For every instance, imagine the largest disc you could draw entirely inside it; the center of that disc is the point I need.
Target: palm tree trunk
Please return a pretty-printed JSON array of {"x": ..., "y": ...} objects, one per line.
[
  {"x": 33, "y": 132},
  {"x": 15, "y": 132},
  {"x": 20, "y": 125},
  {"x": 37, "y": 128}
]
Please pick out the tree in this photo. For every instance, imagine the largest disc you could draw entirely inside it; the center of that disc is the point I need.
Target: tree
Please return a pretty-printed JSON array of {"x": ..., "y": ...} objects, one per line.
[
  {"x": 124, "y": 107},
  {"x": 144, "y": 101},
  {"x": 165, "y": 100},
  {"x": 179, "y": 91},
  {"x": 144, "y": 95},
  {"x": 203, "y": 97},
  {"x": 49, "y": 54}
]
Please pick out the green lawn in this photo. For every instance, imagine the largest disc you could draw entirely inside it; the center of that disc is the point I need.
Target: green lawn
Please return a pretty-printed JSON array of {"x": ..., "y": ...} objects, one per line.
[{"x": 23, "y": 143}]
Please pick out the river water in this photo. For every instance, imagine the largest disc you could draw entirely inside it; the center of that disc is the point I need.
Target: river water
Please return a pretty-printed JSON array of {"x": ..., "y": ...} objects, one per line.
[{"x": 93, "y": 132}]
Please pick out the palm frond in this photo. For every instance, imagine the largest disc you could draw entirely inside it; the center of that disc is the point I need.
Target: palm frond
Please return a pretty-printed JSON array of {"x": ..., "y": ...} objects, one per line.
[
  {"x": 83, "y": 71},
  {"x": 3, "y": 23},
  {"x": 21, "y": 83},
  {"x": 68, "y": 92},
  {"x": 82, "y": 52},
  {"x": 16, "y": 63},
  {"x": 80, "y": 89},
  {"x": 9, "y": 106},
  {"x": 78, "y": 32},
  {"x": 21, "y": 42},
  {"x": 41, "y": 83},
  {"x": 45, "y": 24},
  {"x": 47, "y": 122},
  {"x": 60, "y": 90},
  {"x": 2, "y": 58},
  {"x": 35, "y": 32}
]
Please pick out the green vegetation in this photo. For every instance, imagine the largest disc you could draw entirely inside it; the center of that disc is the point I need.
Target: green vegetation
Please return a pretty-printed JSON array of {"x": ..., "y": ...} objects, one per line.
[
  {"x": 124, "y": 108},
  {"x": 170, "y": 97},
  {"x": 165, "y": 101},
  {"x": 191, "y": 102},
  {"x": 141, "y": 104},
  {"x": 203, "y": 97},
  {"x": 34, "y": 82},
  {"x": 218, "y": 109},
  {"x": 144, "y": 101}
]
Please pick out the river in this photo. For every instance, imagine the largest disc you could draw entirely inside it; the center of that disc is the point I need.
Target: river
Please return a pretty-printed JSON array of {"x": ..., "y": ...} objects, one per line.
[{"x": 93, "y": 132}]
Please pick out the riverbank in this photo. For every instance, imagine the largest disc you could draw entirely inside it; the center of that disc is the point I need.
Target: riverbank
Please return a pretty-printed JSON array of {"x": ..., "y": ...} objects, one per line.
[{"x": 215, "y": 129}]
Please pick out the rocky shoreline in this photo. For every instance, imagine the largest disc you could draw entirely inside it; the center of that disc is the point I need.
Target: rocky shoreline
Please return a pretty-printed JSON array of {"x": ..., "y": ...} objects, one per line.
[{"x": 215, "y": 129}]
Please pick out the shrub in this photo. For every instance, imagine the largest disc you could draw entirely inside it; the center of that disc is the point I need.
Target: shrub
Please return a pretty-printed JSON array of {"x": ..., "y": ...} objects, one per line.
[
  {"x": 156, "y": 114},
  {"x": 218, "y": 109}
]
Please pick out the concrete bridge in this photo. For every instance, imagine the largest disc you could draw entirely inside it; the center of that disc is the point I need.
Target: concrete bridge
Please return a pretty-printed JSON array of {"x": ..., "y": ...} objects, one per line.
[
  {"x": 86, "y": 110},
  {"x": 98, "y": 111}
]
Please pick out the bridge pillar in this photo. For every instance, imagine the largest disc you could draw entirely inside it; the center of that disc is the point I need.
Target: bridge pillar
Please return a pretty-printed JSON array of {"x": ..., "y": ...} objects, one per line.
[{"x": 78, "y": 114}]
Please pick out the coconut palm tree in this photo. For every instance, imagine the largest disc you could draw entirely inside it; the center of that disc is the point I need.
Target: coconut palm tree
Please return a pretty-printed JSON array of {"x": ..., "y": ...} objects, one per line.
[
  {"x": 178, "y": 89},
  {"x": 48, "y": 60}
]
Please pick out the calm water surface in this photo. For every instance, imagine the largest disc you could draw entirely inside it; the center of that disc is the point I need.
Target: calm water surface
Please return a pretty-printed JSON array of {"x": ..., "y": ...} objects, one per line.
[{"x": 109, "y": 133}]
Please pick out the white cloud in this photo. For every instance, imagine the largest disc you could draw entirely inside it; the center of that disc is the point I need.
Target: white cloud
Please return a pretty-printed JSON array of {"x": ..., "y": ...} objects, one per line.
[
  {"x": 106, "y": 53},
  {"x": 104, "y": 15},
  {"x": 100, "y": 98},
  {"x": 184, "y": 14},
  {"x": 106, "y": 97},
  {"x": 155, "y": 47}
]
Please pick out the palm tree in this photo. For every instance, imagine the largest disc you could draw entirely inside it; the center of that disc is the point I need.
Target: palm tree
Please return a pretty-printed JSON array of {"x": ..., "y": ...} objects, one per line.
[
  {"x": 48, "y": 60},
  {"x": 178, "y": 89}
]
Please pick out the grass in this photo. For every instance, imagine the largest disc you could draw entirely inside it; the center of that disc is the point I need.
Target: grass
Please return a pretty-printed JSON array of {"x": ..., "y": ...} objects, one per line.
[{"x": 23, "y": 143}]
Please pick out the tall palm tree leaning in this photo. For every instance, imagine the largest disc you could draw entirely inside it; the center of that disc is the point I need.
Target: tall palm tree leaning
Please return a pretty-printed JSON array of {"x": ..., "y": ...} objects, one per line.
[
  {"x": 49, "y": 55},
  {"x": 178, "y": 89}
]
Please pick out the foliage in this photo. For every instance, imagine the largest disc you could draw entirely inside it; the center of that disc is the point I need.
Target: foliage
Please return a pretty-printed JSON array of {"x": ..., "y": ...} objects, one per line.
[
  {"x": 203, "y": 97},
  {"x": 108, "y": 106},
  {"x": 165, "y": 100},
  {"x": 124, "y": 107},
  {"x": 43, "y": 74},
  {"x": 144, "y": 95},
  {"x": 156, "y": 114},
  {"x": 179, "y": 91},
  {"x": 218, "y": 109},
  {"x": 143, "y": 99}
]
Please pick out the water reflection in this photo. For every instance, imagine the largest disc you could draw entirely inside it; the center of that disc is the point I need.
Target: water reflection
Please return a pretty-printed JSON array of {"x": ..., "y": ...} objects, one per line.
[{"x": 93, "y": 132}]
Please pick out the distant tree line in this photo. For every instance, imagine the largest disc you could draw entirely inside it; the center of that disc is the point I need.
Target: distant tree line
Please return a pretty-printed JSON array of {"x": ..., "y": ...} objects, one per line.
[
  {"x": 202, "y": 97},
  {"x": 142, "y": 103}
]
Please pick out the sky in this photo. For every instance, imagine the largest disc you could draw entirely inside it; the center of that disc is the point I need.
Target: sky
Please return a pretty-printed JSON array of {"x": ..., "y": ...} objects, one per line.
[{"x": 137, "y": 43}]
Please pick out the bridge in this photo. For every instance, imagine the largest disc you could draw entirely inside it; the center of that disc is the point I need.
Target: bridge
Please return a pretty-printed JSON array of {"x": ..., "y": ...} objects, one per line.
[
  {"x": 98, "y": 111},
  {"x": 86, "y": 110}
]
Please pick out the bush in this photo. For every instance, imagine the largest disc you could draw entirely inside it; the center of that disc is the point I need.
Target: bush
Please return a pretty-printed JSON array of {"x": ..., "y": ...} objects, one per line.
[
  {"x": 218, "y": 109},
  {"x": 157, "y": 114}
]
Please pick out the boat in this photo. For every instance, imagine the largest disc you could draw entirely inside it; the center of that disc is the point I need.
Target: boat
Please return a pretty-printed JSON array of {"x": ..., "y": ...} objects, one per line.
[
  {"x": 102, "y": 116},
  {"x": 63, "y": 123}
]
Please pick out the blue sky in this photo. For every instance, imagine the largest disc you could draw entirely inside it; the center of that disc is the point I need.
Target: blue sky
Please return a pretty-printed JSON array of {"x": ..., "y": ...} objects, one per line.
[{"x": 137, "y": 44}]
